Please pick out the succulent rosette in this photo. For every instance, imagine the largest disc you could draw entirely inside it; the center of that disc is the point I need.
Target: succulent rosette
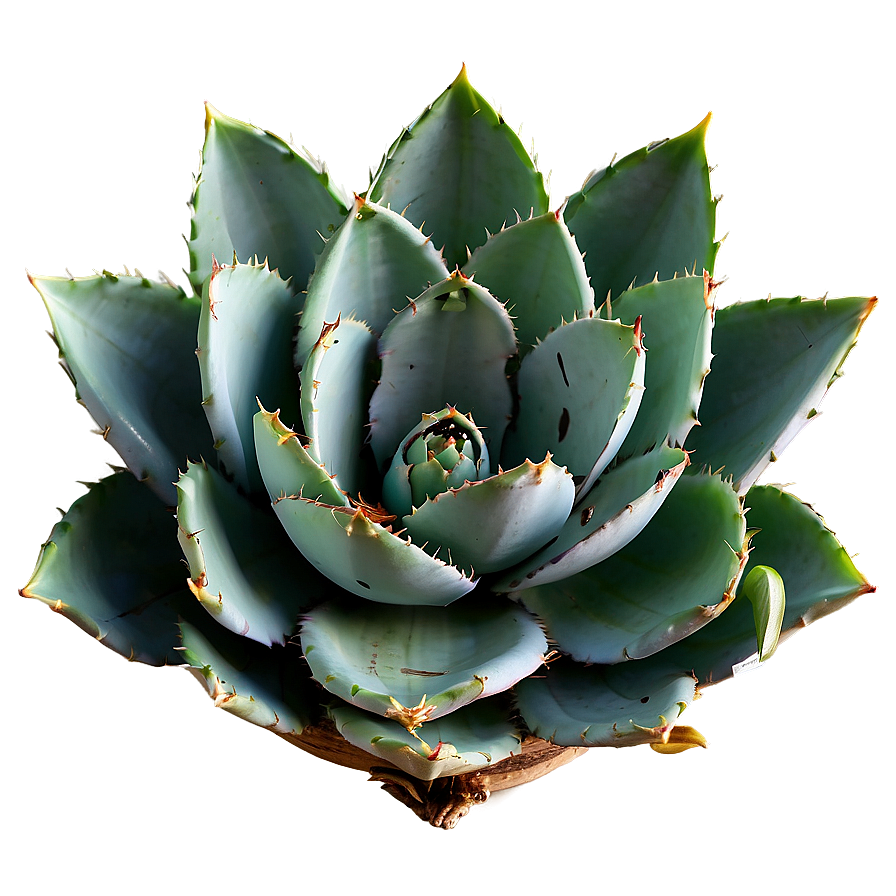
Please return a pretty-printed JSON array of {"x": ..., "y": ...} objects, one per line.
[{"x": 432, "y": 455}]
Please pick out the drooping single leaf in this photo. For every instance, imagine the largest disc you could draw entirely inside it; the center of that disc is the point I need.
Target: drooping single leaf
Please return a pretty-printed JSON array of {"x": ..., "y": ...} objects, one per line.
[
  {"x": 677, "y": 321},
  {"x": 128, "y": 344},
  {"x": 536, "y": 269},
  {"x": 268, "y": 686},
  {"x": 607, "y": 518},
  {"x": 459, "y": 171},
  {"x": 649, "y": 214},
  {"x": 368, "y": 270},
  {"x": 680, "y": 572},
  {"x": 764, "y": 589},
  {"x": 449, "y": 347},
  {"x": 774, "y": 361},
  {"x": 414, "y": 664},
  {"x": 470, "y": 738},
  {"x": 818, "y": 575},
  {"x": 336, "y": 387},
  {"x": 286, "y": 466},
  {"x": 488, "y": 525},
  {"x": 353, "y": 549},
  {"x": 245, "y": 355},
  {"x": 579, "y": 393},
  {"x": 256, "y": 196},
  {"x": 112, "y": 566},
  {"x": 605, "y": 706},
  {"x": 243, "y": 569}
]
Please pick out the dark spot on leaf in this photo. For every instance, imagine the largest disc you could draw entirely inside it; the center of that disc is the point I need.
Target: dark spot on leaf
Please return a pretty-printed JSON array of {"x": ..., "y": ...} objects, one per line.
[
  {"x": 587, "y": 513},
  {"x": 563, "y": 426},
  {"x": 562, "y": 369},
  {"x": 410, "y": 366},
  {"x": 362, "y": 584},
  {"x": 644, "y": 699}
]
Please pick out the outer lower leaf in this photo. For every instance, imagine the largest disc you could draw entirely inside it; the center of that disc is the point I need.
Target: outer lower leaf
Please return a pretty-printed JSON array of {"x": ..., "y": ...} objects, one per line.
[
  {"x": 607, "y": 518},
  {"x": 128, "y": 343},
  {"x": 375, "y": 262},
  {"x": 488, "y": 525},
  {"x": 579, "y": 393},
  {"x": 605, "y": 706},
  {"x": 255, "y": 196},
  {"x": 818, "y": 575},
  {"x": 649, "y": 214},
  {"x": 449, "y": 347},
  {"x": 243, "y": 569},
  {"x": 112, "y": 566},
  {"x": 414, "y": 664},
  {"x": 679, "y": 573},
  {"x": 677, "y": 320},
  {"x": 460, "y": 171},
  {"x": 268, "y": 686},
  {"x": 537, "y": 269},
  {"x": 472, "y": 737},
  {"x": 245, "y": 355},
  {"x": 774, "y": 361},
  {"x": 336, "y": 386},
  {"x": 351, "y": 548}
]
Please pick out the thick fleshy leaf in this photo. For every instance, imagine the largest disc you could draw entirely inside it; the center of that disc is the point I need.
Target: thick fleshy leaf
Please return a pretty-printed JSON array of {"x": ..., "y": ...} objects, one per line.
[
  {"x": 764, "y": 589},
  {"x": 536, "y": 269},
  {"x": 774, "y": 361},
  {"x": 605, "y": 706},
  {"x": 819, "y": 578},
  {"x": 414, "y": 664},
  {"x": 459, "y": 171},
  {"x": 677, "y": 319},
  {"x": 350, "y": 547},
  {"x": 488, "y": 525},
  {"x": 256, "y": 196},
  {"x": 369, "y": 270},
  {"x": 579, "y": 391},
  {"x": 649, "y": 214},
  {"x": 610, "y": 515},
  {"x": 245, "y": 355},
  {"x": 449, "y": 347},
  {"x": 112, "y": 566},
  {"x": 336, "y": 386},
  {"x": 243, "y": 569},
  {"x": 128, "y": 343},
  {"x": 268, "y": 686},
  {"x": 679, "y": 573},
  {"x": 472, "y": 737},
  {"x": 286, "y": 466}
]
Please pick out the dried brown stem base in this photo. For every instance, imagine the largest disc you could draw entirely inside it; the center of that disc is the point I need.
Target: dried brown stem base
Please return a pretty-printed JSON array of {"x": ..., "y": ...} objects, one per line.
[{"x": 443, "y": 801}]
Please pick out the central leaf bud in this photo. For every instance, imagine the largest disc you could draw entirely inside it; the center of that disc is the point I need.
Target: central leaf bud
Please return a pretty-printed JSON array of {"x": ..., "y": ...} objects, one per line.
[{"x": 443, "y": 451}]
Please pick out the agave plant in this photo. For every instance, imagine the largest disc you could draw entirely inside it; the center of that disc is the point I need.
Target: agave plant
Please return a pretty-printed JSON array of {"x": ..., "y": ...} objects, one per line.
[{"x": 482, "y": 531}]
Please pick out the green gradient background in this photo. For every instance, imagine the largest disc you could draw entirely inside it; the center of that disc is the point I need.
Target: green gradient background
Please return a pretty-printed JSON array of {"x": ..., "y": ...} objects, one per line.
[{"x": 122, "y": 777}]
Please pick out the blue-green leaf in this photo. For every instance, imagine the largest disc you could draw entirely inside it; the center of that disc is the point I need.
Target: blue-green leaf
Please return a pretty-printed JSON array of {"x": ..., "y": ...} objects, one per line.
[
  {"x": 414, "y": 664},
  {"x": 375, "y": 262},
  {"x": 243, "y": 569},
  {"x": 245, "y": 355},
  {"x": 256, "y": 196},
  {"x": 536, "y": 269},
  {"x": 672, "y": 579},
  {"x": 676, "y": 319},
  {"x": 449, "y": 347},
  {"x": 774, "y": 361},
  {"x": 460, "y": 172},
  {"x": 470, "y": 738},
  {"x": 128, "y": 344},
  {"x": 112, "y": 566},
  {"x": 649, "y": 214}
]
